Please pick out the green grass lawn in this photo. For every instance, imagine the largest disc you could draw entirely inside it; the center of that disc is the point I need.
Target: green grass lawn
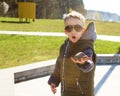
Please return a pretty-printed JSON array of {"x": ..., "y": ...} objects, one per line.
[
  {"x": 19, "y": 50},
  {"x": 16, "y": 50},
  {"x": 55, "y": 25},
  {"x": 40, "y": 25}
]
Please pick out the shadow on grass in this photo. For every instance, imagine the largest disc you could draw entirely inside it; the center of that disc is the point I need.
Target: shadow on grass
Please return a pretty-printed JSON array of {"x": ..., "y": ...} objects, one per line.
[{"x": 17, "y": 22}]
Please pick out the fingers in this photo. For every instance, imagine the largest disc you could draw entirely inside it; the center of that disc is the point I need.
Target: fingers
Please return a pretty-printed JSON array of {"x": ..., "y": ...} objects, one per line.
[
  {"x": 74, "y": 60},
  {"x": 80, "y": 61},
  {"x": 88, "y": 58},
  {"x": 53, "y": 88}
]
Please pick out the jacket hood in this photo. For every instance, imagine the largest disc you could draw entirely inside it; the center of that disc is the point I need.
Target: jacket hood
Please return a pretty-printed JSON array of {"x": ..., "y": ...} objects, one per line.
[{"x": 90, "y": 33}]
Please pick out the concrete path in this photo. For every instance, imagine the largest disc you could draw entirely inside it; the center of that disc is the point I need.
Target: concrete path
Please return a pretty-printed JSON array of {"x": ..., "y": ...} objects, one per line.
[
  {"x": 107, "y": 83},
  {"x": 101, "y": 37},
  {"x": 109, "y": 38}
]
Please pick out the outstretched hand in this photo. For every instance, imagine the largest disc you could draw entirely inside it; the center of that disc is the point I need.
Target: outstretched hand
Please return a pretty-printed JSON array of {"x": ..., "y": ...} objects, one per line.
[{"x": 81, "y": 60}]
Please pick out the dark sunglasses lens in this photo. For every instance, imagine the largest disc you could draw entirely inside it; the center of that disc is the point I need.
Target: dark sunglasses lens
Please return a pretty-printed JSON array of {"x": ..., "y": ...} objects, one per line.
[
  {"x": 69, "y": 28},
  {"x": 78, "y": 28}
]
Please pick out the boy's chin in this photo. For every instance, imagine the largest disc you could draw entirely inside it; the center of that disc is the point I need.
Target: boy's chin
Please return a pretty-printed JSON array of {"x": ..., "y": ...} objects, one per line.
[{"x": 74, "y": 41}]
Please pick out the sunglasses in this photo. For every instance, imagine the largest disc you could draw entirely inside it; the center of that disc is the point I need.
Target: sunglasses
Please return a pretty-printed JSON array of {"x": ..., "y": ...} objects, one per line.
[{"x": 77, "y": 28}]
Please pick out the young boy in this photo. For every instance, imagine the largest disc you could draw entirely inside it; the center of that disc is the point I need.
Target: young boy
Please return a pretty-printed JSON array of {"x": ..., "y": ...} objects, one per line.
[{"x": 75, "y": 64}]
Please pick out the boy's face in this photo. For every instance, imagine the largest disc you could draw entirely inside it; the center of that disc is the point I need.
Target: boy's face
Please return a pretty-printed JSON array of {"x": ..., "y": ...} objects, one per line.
[{"x": 74, "y": 34}]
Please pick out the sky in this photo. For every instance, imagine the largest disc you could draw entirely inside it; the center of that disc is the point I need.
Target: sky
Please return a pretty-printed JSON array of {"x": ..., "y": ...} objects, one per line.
[{"x": 112, "y": 6}]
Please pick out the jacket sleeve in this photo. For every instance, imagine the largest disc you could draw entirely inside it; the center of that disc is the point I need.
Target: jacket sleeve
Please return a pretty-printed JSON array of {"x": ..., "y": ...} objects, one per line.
[
  {"x": 55, "y": 76},
  {"x": 89, "y": 65}
]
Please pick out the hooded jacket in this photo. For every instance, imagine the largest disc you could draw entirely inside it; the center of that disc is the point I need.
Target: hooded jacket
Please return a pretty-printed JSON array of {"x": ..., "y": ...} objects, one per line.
[{"x": 75, "y": 82}]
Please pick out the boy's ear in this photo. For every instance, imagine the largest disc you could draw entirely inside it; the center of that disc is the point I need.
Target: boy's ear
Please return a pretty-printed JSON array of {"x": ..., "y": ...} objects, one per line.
[
  {"x": 65, "y": 31},
  {"x": 84, "y": 29}
]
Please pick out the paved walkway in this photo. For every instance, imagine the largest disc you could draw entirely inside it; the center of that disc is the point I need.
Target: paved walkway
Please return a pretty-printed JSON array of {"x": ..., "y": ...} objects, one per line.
[
  {"x": 107, "y": 83},
  {"x": 102, "y": 37}
]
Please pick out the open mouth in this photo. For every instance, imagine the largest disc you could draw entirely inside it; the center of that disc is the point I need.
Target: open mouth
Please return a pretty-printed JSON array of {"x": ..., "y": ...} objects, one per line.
[{"x": 73, "y": 37}]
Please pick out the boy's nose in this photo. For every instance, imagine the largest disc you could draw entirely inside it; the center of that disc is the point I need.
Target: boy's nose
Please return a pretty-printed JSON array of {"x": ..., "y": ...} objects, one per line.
[{"x": 73, "y": 30}]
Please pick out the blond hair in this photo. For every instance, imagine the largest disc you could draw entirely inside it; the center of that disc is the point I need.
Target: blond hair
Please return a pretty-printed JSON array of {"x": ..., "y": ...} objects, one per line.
[{"x": 75, "y": 14}]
